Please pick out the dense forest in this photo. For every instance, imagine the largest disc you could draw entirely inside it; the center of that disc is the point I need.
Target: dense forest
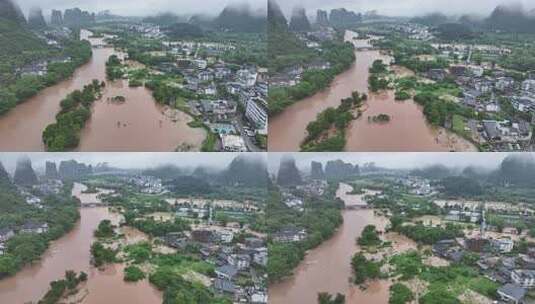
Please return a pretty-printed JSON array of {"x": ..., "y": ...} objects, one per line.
[
  {"x": 75, "y": 111},
  {"x": 320, "y": 221},
  {"x": 61, "y": 214},
  {"x": 20, "y": 47},
  {"x": 339, "y": 54}
]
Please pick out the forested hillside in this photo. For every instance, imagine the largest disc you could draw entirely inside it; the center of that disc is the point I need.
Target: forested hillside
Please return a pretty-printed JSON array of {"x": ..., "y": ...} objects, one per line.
[{"x": 20, "y": 47}]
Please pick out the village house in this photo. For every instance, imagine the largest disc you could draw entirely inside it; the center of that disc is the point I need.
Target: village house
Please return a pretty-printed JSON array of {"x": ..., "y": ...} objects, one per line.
[
  {"x": 528, "y": 86},
  {"x": 203, "y": 236},
  {"x": 505, "y": 84},
  {"x": 523, "y": 277},
  {"x": 6, "y": 234},
  {"x": 31, "y": 227},
  {"x": 233, "y": 143},
  {"x": 261, "y": 256},
  {"x": 511, "y": 293},
  {"x": 289, "y": 235},
  {"x": 224, "y": 286},
  {"x": 256, "y": 112},
  {"x": 227, "y": 272},
  {"x": 240, "y": 261},
  {"x": 503, "y": 245}
]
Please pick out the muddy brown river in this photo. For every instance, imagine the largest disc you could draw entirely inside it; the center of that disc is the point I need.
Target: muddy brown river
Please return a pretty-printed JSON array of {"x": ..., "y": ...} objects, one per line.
[
  {"x": 327, "y": 268},
  {"x": 71, "y": 252},
  {"x": 407, "y": 130},
  {"x": 135, "y": 125}
]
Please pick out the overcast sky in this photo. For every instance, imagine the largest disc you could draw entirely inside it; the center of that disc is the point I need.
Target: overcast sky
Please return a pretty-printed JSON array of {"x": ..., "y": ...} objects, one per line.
[
  {"x": 126, "y": 160},
  {"x": 405, "y": 7},
  {"x": 141, "y": 7},
  {"x": 395, "y": 160}
]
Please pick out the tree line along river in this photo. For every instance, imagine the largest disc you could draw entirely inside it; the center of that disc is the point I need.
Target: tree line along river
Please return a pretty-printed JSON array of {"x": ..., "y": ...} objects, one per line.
[
  {"x": 139, "y": 124},
  {"x": 408, "y": 129},
  {"x": 71, "y": 252}
]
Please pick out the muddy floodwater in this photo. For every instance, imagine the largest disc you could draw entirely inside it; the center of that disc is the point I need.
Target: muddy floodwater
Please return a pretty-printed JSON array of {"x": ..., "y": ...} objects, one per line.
[
  {"x": 71, "y": 252},
  {"x": 139, "y": 124},
  {"x": 407, "y": 130},
  {"x": 327, "y": 268}
]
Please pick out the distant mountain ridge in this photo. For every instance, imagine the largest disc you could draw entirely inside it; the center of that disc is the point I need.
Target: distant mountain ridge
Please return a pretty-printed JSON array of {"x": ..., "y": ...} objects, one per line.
[
  {"x": 299, "y": 21},
  {"x": 11, "y": 11},
  {"x": 240, "y": 19}
]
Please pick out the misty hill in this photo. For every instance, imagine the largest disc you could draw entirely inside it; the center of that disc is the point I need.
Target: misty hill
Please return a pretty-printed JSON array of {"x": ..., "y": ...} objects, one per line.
[
  {"x": 11, "y": 11},
  {"x": 56, "y": 18},
  {"x": 514, "y": 170},
  {"x": 316, "y": 170},
  {"x": 5, "y": 181},
  {"x": 240, "y": 19},
  {"x": 299, "y": 21},
  {"x": 51, "y": 171},
  {"x": 344, "y": 18},
  {"x": 433, "y": 19},
  {"x": 511, "y": 19},
  {"x": 73, "y": 170},
  {"x": 17, "y": 44},
  {"x": 189, "y": 185},
  {"x": 288, "y": 173},
  {"x": 517, "y": 170},
  {"x": 75, "y": 17},
  {"x": 202, "y": 21},
  {"x": 283, "y": 46},
  {"x": 336, "y": 169},
  {"x": 276, "y": 19},
  {"x": 10, "y": 200},
  {"x": 164, "y": 19},
  {"x": 246, "y": 170},
  {"x": 184, "y": 30},
  {"x": 164, "y": 172},
  {"x": 24, "y": 174},
  {"x": 322, "y": 18},
  {"x": 434, "y": 172},
  {"x": 454, "y": 31},
  {"x": 36, "y": 19}
]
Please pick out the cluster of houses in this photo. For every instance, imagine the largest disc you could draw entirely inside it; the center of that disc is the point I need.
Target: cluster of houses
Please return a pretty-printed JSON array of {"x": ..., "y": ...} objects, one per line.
[
  {"x": 414, "y": 31},
  {"x": 418, "y": 185},
  {"x": 147, "y": 184},
  {"x": 29, "y": 227},
  {"x": 40, "y": 68},
  {"x": 147, "y": 30},
  {"x": 233, "y": 98},
  {"x": 289, "y": 234},
  {"x": 293, "y": 75},
  {"x": 516, "y": 273},
  {"x": 485, "y": 88},
  {"x": 235, "y": 261}
]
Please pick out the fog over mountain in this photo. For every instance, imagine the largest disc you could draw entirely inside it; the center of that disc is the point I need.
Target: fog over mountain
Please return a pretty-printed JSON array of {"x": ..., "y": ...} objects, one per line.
[
  {"x": 124, "y": 160},
  {"x": 142, "y": 7},
  {"x": 396, "y": 160},
  {"x": 406, "y": 7}
]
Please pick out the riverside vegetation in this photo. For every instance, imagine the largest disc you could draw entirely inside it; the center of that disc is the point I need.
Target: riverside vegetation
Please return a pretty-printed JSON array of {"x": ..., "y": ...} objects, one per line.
[
  {"x": 75, "y": 111},
  {"x": 327, "y": 132}
]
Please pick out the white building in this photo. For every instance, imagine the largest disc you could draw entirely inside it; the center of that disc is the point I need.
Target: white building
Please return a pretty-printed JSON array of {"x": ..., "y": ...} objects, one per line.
[
  {"x": 226, "y": 236},
  {"x": 233, "y": 143},
  {"x": 240, "y": 261},
  {"x": 528, "y": 85},
  {"x": 200, "y": 64},
  {"x": 256, "y": 111},
  {"x": 523, "y": 277},
  {"x": 503, "y": 245}
]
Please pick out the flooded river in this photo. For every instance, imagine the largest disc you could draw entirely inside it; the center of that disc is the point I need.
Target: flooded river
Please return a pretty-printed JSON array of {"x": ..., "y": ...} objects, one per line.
[
  {"x": 71, "y": 252},
  {"x": 407, "y": 130},
  {"x": 327, "y": 268},
  {"x": 112, "y": 127}
]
